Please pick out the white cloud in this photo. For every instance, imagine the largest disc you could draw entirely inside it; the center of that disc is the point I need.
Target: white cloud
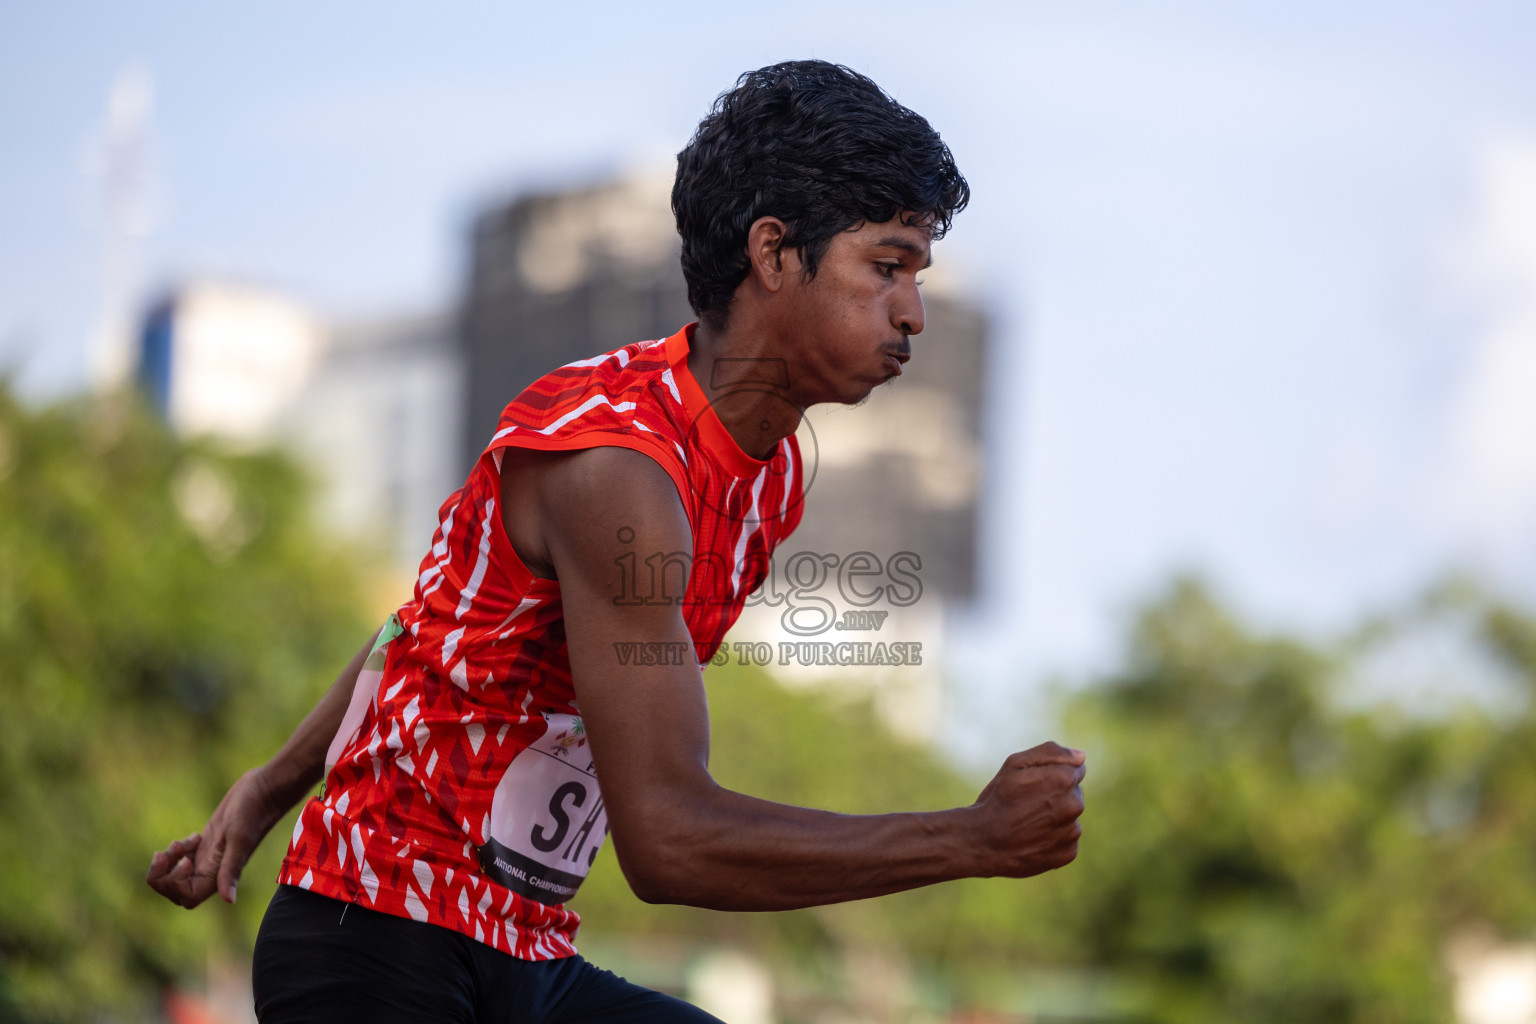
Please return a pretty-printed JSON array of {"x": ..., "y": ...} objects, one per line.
[{"x": 1485, "y": 484}]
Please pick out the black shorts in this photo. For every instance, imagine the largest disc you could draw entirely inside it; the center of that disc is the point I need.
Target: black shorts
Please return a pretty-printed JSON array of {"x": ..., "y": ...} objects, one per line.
[{"x": 322, "y": 960}]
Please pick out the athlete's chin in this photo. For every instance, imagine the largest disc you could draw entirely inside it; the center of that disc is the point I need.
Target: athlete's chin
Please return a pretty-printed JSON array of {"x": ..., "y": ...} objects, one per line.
[
  {"x": 853, "y": 389},
  {"x": 859, "y": 393}
]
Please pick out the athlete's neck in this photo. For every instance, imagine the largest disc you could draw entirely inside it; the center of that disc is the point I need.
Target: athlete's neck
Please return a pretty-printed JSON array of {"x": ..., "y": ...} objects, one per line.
[{"x": 747, "y": 383}]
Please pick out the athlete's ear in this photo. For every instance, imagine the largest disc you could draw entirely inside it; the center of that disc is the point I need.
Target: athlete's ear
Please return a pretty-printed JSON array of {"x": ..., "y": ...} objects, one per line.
[{"x": 765, "y": 252}]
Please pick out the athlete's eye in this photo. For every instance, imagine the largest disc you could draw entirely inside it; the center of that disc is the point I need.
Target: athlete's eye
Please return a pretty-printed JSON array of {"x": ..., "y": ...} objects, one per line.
[{"x": 887, "y": 270}]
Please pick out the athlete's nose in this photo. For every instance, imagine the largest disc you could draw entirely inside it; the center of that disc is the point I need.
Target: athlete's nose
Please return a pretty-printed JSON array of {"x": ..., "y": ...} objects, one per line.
[{"x": 908, "y": 315}]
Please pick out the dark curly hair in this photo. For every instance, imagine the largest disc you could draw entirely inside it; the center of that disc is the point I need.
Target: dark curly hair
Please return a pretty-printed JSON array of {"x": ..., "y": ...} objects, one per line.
[{"x": 815, "y": 144}]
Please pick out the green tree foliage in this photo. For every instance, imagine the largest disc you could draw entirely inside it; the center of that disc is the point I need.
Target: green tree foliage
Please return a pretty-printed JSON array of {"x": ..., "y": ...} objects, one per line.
[
  {"x": 167, "y": 613},
  {"x": 1252, "y": 853},
  {"x": 1261, "y": 846}
]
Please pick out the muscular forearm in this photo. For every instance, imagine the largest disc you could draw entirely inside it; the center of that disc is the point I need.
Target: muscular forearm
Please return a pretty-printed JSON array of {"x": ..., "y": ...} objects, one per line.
[{"x": 727, "y": 851}]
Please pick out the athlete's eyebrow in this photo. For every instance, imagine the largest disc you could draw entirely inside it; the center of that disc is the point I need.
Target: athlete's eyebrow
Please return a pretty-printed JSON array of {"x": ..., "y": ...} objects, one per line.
[{"x": 897, "y": 242}]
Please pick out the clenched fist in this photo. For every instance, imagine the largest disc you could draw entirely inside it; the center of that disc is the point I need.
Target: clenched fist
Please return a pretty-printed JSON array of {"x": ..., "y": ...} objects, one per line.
[
  {"x": 192, "y": 869},
  {"x": 1027, "y": 815}
]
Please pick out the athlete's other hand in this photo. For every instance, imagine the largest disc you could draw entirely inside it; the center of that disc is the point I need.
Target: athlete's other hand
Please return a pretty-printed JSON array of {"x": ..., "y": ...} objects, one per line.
[
  {"x": 192, "y": 869},
  {"x": 1029, "y": 811}
]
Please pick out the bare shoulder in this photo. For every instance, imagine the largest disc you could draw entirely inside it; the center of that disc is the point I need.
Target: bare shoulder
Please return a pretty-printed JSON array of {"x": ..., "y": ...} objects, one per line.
[{"x": 571, "y": 507}]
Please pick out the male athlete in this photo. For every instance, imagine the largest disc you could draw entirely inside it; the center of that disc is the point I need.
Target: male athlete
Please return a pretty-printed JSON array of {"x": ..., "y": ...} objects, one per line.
[{"x": 462, "y": 748}]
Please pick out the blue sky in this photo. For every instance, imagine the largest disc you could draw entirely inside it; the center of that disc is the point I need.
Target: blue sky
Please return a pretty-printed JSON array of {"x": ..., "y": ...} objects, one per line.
[{"x": 1264, "y": 274}]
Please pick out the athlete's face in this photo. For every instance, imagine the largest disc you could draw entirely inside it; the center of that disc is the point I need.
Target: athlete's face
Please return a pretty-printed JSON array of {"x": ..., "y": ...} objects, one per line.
[{"x": 852, "y": 320}]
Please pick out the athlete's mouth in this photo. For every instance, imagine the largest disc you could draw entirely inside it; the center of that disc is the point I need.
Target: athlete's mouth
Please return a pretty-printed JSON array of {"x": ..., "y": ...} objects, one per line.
[{"x": 896, "y": 358}]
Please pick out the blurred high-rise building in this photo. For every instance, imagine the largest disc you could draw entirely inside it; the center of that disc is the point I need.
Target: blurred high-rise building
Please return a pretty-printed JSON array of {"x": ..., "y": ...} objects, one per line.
[
  {"x": 377, "y": 421},
  {"x": 559, "y": 276},
  {"x": 227, "y": 359},
  {"x": 370, "y": 408}
]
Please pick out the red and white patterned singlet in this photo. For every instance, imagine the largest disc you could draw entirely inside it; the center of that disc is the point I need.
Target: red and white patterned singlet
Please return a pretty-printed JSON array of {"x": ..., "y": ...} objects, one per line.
[{"x": 459, "y": 790}]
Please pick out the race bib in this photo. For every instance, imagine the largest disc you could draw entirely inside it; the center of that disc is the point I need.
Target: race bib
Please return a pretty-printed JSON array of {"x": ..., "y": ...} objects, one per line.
[{"x": 547, "y": 817}]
